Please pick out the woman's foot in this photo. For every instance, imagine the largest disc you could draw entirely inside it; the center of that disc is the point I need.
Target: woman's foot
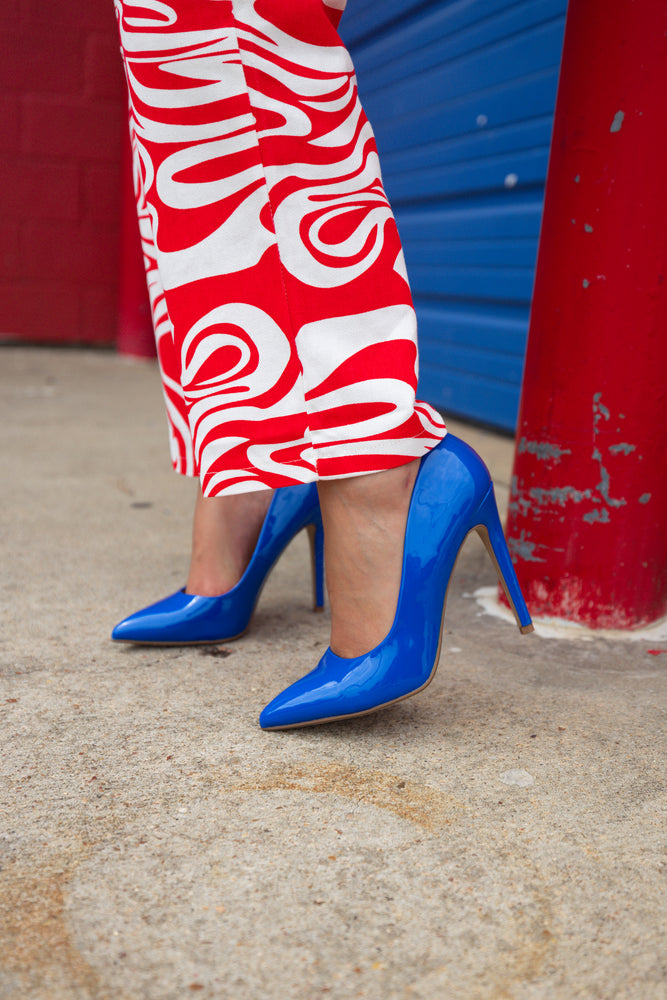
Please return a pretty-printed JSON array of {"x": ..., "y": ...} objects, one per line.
[
  {"x": 233, "y": 552},
  {"x": 364, "y": 527},
  {"x": 224, "y": 535}
]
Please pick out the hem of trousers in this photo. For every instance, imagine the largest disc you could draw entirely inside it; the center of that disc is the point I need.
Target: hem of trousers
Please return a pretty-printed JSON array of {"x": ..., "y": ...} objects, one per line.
[{"x": 254, "y": 482}]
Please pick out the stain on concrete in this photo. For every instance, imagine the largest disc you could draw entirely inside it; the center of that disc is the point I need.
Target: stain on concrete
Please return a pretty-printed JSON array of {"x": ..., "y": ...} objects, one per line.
[
  {"x": 35, "y": 941},
  {"x": 410, "y": 800},
  {"x": 622, "y": 448},
  {"x": 645, "y": 497},
  {"x": 536, "y": 943},
  {"x": 219, "y": 650}
]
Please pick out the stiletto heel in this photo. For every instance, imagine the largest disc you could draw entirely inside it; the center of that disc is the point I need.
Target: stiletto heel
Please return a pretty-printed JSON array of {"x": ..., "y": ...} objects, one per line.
[
  {"x": 490, "y": 531},
  {"x": 316, "y": 539},
  {"x": 452, "y": 496},
  {"x": 188, "y": 619}
]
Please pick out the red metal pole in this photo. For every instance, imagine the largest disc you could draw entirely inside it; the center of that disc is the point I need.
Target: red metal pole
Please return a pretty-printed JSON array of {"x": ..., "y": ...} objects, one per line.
[
  {"x": 588, "y": 505},
  {"x": 135, "y": 326}
]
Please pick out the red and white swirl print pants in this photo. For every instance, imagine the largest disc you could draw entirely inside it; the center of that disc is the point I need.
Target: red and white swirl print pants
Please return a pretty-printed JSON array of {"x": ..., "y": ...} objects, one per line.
[{"x": 285, "y": 328}]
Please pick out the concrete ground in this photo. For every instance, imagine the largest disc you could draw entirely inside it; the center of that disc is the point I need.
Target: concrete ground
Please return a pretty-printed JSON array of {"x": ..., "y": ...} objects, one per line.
[{"x": 500, "y": 835}]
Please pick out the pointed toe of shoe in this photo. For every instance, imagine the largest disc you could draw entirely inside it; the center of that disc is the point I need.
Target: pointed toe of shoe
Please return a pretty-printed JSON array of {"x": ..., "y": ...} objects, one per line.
[
  {"x": 155, "y": 623},
  {"x": 338, "y": 688},
  {"x": 277, "y": 715},
  {"x": 312, "y": 699},
  {"x": 182, "y": 619},
  {"x": 293, "y": 707},
  {"x": 127, "y": 631}
]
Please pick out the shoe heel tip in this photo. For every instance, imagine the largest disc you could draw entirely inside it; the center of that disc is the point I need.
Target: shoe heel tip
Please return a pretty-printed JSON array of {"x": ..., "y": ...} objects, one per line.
[{"x": 526, "y": 629}]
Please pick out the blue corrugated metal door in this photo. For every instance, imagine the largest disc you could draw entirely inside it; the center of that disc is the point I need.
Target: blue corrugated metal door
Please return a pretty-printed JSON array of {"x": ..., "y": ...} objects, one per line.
[{"x": 461, "y": 97}]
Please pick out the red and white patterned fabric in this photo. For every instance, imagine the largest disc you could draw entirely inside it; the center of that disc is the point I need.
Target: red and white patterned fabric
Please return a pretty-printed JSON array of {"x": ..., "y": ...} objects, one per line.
[{"x": 285, "y": 328}]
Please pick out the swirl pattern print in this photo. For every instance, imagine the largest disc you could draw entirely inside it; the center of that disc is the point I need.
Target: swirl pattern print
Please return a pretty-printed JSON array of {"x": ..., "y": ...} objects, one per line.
[{"x": 284, "y": 322}]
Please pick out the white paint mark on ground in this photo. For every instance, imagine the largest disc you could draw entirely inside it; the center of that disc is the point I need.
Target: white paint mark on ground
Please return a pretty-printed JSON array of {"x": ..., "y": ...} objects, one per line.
[
  {"x": 560, "y": 628},
  {"x": 517, "y": 777}
]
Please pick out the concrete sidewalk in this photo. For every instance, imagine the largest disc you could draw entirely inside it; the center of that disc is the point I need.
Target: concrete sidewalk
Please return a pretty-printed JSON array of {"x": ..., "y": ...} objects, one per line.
[{"x": 499, "y": 836}]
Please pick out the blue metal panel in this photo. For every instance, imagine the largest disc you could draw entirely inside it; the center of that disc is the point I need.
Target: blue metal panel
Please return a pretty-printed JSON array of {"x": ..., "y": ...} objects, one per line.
[{"x": 461, "y": 96}]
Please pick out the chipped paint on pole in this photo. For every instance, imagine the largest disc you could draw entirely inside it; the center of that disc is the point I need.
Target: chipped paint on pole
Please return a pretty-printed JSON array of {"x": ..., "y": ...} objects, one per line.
[{"x": 588, "y": 504}]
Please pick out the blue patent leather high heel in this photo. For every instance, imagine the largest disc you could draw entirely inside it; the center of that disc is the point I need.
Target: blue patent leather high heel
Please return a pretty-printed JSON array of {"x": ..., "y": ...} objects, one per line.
[
  {"x": 453, "y": 495},
  {"x": 184, "y": 619}
]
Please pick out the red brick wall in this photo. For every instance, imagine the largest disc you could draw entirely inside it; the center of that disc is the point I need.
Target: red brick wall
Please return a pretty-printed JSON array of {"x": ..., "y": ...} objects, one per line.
[{"x": 62, "y": 110}]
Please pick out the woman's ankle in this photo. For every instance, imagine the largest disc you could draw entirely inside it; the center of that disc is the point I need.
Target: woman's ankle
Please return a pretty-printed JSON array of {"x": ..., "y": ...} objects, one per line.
[
  {"x": 224, "y": 536},
  {"x": 364, "y": 529}
]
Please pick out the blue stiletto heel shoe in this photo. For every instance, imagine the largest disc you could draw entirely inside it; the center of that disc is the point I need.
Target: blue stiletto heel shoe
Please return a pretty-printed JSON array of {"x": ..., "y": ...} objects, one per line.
[
  {"x": 184, "y": 619},
  {"x": 453, "y": 495}
]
